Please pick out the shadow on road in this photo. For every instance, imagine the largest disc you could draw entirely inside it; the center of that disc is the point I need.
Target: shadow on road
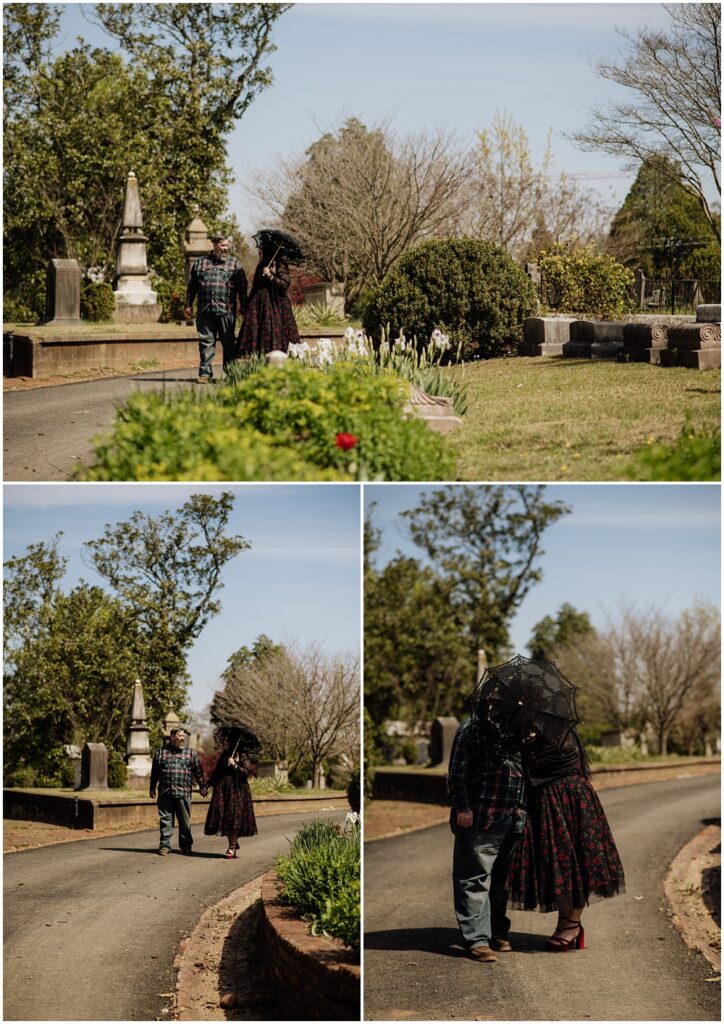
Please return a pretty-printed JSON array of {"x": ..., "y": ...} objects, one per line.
[
  {"x": 443, "y": 941},
  {"x": 153, "y": 852}
]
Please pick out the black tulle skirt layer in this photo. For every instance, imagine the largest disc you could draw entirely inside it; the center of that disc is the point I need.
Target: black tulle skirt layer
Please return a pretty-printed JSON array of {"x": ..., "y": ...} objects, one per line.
[
  {"x": 231, "y": 809},
  {"x": 566, "y": 850}
]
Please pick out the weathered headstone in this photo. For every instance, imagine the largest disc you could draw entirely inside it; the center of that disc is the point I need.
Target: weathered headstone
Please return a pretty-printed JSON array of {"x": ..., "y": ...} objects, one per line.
[
  {"x": 437, "y": 411},
  {"x": 136, "y": 301},
  {"x": 545, "y": 335},
  {"x": 644, "y": 342},
  {"x": 709, "y": 313},
  {"x": 170, "y": 721},
  {"x": 697, "y": 346},
  {"x": 442, "y": 735},
  {"x": 62, "y": 293},
  {"x": 137, "y": 747},
  {"x": 594, "y": 339},
  {"x": 323, "y": 293},
  {"x": 197, "y": 241},
  {"x": 94, "y": 766}
]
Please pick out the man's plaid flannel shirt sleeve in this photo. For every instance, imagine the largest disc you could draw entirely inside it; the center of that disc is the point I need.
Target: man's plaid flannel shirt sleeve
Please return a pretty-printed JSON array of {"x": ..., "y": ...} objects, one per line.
[{"x": 458, "y": 776}]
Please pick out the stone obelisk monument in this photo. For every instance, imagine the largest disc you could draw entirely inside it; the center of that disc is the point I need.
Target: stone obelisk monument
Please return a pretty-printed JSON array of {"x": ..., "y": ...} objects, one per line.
[
  {"x": 137, "y": 748},
  {"x": 136, "y": 301}
]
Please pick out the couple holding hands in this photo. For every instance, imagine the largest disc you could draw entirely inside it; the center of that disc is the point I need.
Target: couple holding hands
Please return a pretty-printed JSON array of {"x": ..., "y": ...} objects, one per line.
[{"x": 217, "y": 283}]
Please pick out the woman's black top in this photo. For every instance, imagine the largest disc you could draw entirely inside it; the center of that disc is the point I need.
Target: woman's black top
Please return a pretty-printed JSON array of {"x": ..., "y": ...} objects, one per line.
[{"x": 544, "y": 762}]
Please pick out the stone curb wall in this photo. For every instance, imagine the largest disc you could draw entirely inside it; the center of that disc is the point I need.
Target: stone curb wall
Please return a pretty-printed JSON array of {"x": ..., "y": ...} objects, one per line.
[
  {"x": 313, "y": 975},
  {"x": 430, "y": 787},
  {"x": 86, "y": 812}
]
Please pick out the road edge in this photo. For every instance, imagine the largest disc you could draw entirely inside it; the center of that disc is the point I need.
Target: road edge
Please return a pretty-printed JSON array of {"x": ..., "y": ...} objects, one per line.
[{"x": 682, "y": 888}]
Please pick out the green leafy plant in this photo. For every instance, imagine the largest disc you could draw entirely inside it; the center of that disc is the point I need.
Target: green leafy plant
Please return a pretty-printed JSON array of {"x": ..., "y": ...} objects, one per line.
[
  {"x": 472, "y": 290},
  {"x": 318, "y": 314},
  {"x": 585, "y": 282},
  {"x": 320, "y": 877},
  {"x": 117, "y": 770},
  {"x": 270, "y": 786},
  {"x": 172, "y": 296},
  {"x": 695, "y": 455},
  {"x": 97, "y": 301},
  {"x": 290, "y": 423}
]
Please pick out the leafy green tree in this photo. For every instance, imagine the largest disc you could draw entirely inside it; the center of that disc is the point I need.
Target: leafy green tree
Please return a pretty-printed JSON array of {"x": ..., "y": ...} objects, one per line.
[
  {"x": 486, "y": 542},
  {"x": 660, "y": 223},
  {"x": 71, "y": 123},
  {"x": 584, "y": 282},
  {"x": 418, "y": 662},
  {"x": 557, "y": 631},
  {"x": 71, "y": 656}
]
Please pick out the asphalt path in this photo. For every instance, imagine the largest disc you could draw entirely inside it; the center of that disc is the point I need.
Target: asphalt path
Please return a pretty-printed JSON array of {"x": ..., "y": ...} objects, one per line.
[
  {"x": 635, "y": 965},
  {"x": 49, "y": 431},
  {"x": 92, "y": 928}
]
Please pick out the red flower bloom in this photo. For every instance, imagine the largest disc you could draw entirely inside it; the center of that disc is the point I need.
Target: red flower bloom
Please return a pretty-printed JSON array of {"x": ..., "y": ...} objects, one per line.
[{"x": 346, "y": 441}]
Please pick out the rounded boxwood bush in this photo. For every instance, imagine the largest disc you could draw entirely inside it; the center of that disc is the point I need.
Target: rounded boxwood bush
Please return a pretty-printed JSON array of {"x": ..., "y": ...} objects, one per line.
[
  {"x": 97, "y": 301},
  {"x": 472, "y": 290}
]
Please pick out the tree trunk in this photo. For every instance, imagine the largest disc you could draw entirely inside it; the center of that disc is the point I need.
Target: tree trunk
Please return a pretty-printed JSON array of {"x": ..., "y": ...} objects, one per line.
[{"x": 663, "y": 742}]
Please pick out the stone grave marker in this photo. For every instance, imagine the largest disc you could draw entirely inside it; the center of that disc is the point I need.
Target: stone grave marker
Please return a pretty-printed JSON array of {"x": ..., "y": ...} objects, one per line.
[
  {"x": 442, "y": 735},
  {"x": 94, "y": 766},
  {"x": 62, "y": 293}
]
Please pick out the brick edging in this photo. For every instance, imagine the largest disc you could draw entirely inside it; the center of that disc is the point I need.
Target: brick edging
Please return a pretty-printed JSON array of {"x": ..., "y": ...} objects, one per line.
[{"x": 314, "y": 976}]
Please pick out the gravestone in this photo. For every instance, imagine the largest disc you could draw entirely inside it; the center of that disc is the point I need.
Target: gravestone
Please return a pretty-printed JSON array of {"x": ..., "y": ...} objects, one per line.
[
  {"x": 197, "y": 242},
  {"x": 324, "y": 294},
  {"x": 442, "y": 735},
  {"x": 62, "y": 293},
  {"x": 594, "y": 339},
  {"x": 545, "y": 335},
  {"x": 136, "y": 302},
  {"x": 709, "y": 313},
  {"x": 94, "y": 766},
  {"x": 137, "y": 748}
]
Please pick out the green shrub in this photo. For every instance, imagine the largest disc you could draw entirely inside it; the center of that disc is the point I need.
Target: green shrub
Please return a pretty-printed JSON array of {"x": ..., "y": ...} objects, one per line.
[
  {"x": 97, "y": 301},
  {"x": 585, "y": 283},
  {"x": 472, "y": 290},
  {"x": 278, "y": 424},
  {"x": 117, "y": 770},
  {"x": 320, "y": 877},
  {"x": 695, "y": 455},
  {"x": 318, "y": 314},
  {"x": 17, "y": 311},
  {"x": 614, "y": 755},
  {"x": 269, "y": 786},
  {"x": 704, "y": 265},
  {"x": 172, "y": 296}
]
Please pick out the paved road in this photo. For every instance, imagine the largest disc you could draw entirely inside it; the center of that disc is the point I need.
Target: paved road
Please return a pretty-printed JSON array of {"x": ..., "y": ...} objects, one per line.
[
  {"x": 635, "y": 966},
  {"x": 92, "y": 928},
  {"x": 48, "y": 431}
]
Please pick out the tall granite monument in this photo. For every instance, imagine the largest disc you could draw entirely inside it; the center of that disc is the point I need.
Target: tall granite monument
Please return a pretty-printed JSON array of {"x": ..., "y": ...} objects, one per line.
[
  {"x": 138, "y": 748},
  {"x": 136, "y": 301}
]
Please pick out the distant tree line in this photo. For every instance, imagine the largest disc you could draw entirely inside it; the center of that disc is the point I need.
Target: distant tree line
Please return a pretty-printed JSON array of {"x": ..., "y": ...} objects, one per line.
[
  {"x": 181, "y": 75},
  {"x": 73, "y": 653},
  {"x": 301, "y": 701},
  {"x": 426, "y": 619}
]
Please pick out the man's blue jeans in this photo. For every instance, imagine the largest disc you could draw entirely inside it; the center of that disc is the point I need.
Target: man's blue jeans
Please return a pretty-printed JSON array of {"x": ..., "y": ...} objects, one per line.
[
  {"x": 480, "y": 866},
  {"x": 179, "y": 807},
  {"x": 209, "y": 326}
]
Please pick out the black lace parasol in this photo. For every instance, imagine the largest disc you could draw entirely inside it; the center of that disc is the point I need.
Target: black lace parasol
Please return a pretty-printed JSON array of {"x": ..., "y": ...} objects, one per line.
[
  {"x": 285, "y": 245},
  {"x": 525, "y": 694}
]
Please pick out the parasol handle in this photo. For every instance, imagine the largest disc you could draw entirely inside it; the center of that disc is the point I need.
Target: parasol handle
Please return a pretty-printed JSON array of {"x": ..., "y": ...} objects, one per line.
[
  {"x": 273, "y": 257},
  {"x": 237, "y": 745}
]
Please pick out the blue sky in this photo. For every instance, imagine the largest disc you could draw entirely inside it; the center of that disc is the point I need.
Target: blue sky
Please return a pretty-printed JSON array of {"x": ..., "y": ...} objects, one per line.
[
  {"x": 423, "y": 64},
  {"x": 643, "y": 544},
  {"x": 300, "y": 579}
]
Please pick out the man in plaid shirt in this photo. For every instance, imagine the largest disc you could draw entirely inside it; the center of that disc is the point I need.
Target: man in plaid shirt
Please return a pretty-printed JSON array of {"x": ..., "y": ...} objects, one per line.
[
  {"x": 172, "y": 773},
  {"x": 218, "y": 282},
  {"x": 487, "y": 792}
]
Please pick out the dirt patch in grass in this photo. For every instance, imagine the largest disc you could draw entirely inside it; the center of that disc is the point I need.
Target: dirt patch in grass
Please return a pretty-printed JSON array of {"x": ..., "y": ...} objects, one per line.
[{"x": 565, "y": 419}]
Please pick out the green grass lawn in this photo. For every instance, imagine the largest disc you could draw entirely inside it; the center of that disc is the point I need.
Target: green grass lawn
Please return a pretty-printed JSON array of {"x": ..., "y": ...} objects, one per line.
[{"x": 575, "y": 419}]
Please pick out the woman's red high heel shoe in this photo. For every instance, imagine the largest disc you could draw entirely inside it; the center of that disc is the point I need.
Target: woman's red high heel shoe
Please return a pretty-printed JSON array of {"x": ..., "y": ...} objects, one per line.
[
  {"x": 231, "y": 852},
  {"x": 557, "y": 945}
]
